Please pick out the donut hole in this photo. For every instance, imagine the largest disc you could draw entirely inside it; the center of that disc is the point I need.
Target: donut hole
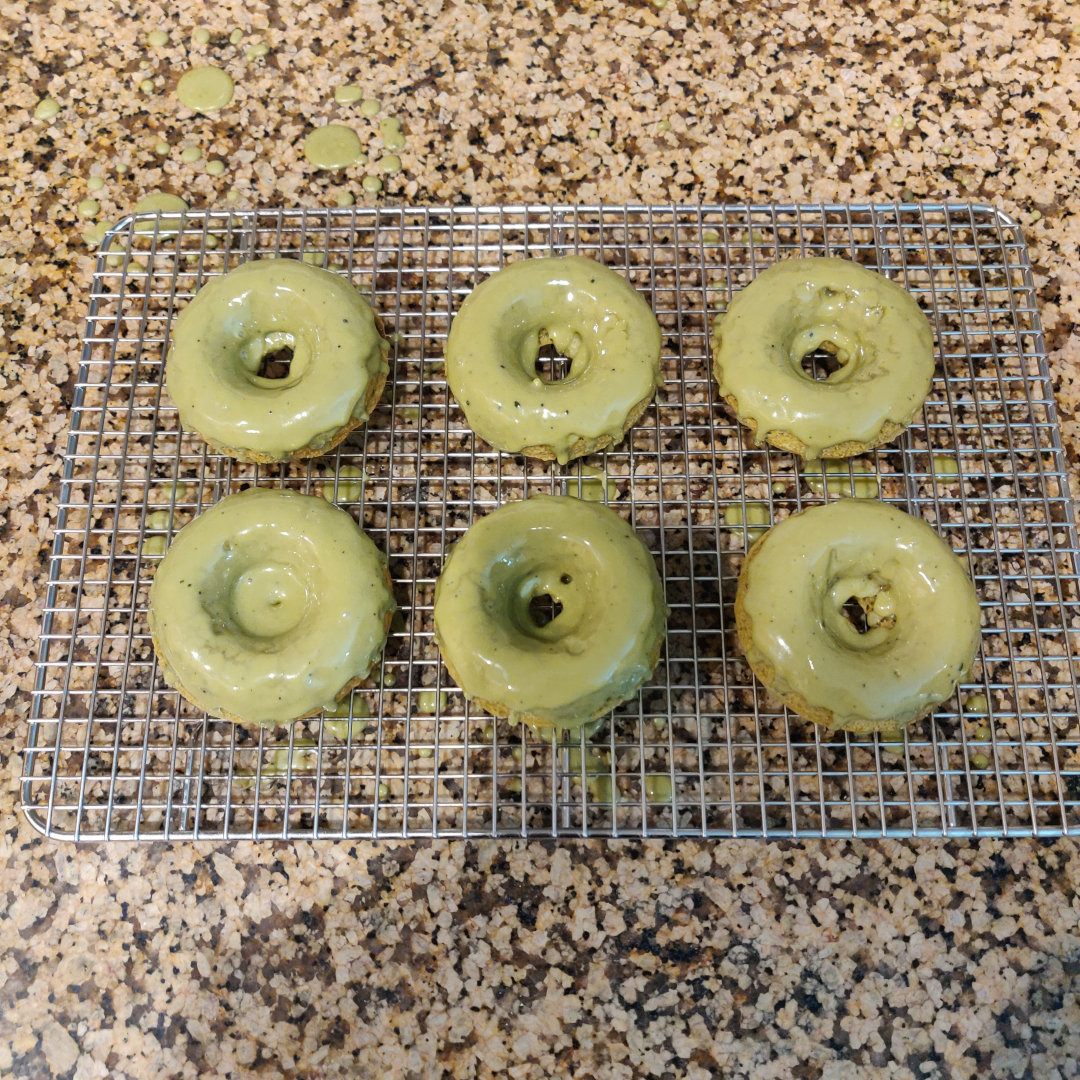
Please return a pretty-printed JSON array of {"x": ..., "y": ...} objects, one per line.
[
  {"x": 544, "y": 609},
  {"x": 853, "y": 610},
  {"x": 551, "y": 366},
  {"x": 822, "y": 362},
  {"x": 276, "y": 364}
]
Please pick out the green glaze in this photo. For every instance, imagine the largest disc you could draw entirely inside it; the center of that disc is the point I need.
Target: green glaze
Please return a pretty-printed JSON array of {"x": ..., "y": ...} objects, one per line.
[
  {"x": 371, "y": 184},
  {"x": 594, "y": 654},
  {"x": 347, "y": 94},
  {"x": 205, "y": 89},
  {"x": 257, "y": 51},
  {"x": 835, "y": 478},
  {"x": 89, "y": 208},
  {"x": 754, "y": 520},
  {"x": 201, "y": 36},
  {"x": 370, "y": 106},
  {"x": 592, "y": 316},
  {"x": 872, "y": 325},
  {"x": 920, "y": 607},
  {"x": 344, "y": 198},
  {"x": 390, "y": 163},
  {"x": 221, "y": 337},
  {"x": 190, "y": 154},
  {"x": 390, "y": 130},
  {"x": 267, "y": 606},
  {"x": 215, "y": 167},
  {"x": 157, "y": 38},
  {"x": 47, "y": 108},
  {"x": 333, "y": 146},
  {"x": 170, "y": 207},
  {"x": 95, "y": 183}
]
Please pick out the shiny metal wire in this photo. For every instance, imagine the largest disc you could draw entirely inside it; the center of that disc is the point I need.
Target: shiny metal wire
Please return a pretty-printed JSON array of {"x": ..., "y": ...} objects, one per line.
[{"x": 703, "y": 749}]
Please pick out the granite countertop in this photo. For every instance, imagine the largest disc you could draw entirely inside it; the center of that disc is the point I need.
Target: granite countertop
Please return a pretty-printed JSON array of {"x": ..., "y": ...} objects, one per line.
[{"x": 831, "y": 960}]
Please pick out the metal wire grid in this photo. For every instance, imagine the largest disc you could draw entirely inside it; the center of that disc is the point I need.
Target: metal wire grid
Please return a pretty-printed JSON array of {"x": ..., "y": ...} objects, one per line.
[{"x": 703, "y": 749}]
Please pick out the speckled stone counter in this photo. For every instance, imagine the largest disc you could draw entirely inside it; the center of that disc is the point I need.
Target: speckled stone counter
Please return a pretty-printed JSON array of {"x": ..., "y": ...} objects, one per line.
[{"x": 739, "y": 959}]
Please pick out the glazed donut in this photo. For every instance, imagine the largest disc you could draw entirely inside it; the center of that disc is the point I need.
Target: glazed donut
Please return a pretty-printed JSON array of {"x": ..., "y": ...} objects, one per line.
[
  {"x": 604, "y": 638},
  {"x": 872, "y": 326},
  {"x": 269, "y": 606},
  {"x": 335, "y": 376},
  {"x": 857, "y": 615},
  {"x": 593, "y": 317}
]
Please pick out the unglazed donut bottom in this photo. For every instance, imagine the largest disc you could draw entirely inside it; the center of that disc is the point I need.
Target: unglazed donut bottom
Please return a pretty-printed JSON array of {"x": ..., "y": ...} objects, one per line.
[
  {"x": 595, "y": 653},
  {"x": 920, "y": 611},
  {"x": 592, "y": 316},
  {"x": 269, "y": 607},
  {"x": 335, "y": 377},
  {"x": 872, "y": 326}
]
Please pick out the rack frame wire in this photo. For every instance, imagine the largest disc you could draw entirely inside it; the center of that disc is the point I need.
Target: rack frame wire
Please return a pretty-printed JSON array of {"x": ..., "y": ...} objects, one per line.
[{"x": 702, "y": 749}]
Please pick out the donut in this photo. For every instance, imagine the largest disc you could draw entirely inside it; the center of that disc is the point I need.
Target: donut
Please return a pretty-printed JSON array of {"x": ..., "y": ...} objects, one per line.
[
  {"x": 269, "y": 606},
  {"x": 591, "y": 316},
  {"x": 597, "y": 640},
  {"x": 237, "y": 323},
  {"x": 874, "y": 329},
  {"x": 858, "y": 615}
]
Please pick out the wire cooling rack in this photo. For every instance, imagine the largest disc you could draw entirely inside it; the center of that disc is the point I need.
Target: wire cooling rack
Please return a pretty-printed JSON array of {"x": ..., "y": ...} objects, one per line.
[{"x": 703, "y": 749}]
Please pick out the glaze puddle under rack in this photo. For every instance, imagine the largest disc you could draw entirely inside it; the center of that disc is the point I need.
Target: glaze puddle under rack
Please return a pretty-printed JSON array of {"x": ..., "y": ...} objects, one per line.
[{"x": 112, "y": 753}]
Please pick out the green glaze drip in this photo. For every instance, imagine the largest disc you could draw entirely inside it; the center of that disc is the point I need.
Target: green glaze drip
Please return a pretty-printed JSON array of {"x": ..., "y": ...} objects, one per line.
[
  {"x": 370, "y": 107},
  {"x": 201, "y": 36},
  {"x": 157, "y": 38},
  {"x": 390, "y": 130},
  {"x": 205, "y": 89},
  {"x": 344, "y": 198},
  {"x": 95, "y": 183},
  {"x": 169, "y": 206},
  {"x": 834, "y": 478},
  {"x": 348, "y": 95},
  {"x": 754, "y": 521},
  {"x": 215, "y": 167},
  {"x": 161, "y": 148},
  {"x": 592, "y": 654},
  {"x": 147, "y": 86},
  {"x": 428, "y": 702},
  {"x": 333, "y": 146},
  {"x": 259, "y": 308},
  {"x": 371, "y": 184},
  {"x": 946, "y": 469},
  {"x": 257, "y": 51},
  {"x": 190, "y": 154},
  {"x": 590, "y": 315},
  {"x": 268, "y": 605},
  {"x": 47, "y": 108},
  {"x": 390, "y": 163},
  {"x": 236, "y": 36},
  {"x": 89, "y": 208}
]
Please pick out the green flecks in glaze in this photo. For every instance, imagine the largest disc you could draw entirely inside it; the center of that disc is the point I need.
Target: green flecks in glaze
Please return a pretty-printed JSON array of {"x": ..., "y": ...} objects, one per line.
[
  {"x": 205, "y": 89},
  {"x": 46, "y": 109},
  {"x": 390, "y": 130},
  {"x": 347, "y": 94},
  {"x": 332, "y": 146}
]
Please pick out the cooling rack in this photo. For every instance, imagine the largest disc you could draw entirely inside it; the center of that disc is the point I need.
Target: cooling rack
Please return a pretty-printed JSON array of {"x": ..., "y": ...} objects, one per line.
[{"x": 703, "y": 749}]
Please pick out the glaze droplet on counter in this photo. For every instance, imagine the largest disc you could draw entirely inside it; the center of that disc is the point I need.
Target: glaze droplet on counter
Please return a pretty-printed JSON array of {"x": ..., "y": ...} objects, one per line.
[
  {"x": 333, "y": 146},
  {"x": 205, "y": 89}
]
